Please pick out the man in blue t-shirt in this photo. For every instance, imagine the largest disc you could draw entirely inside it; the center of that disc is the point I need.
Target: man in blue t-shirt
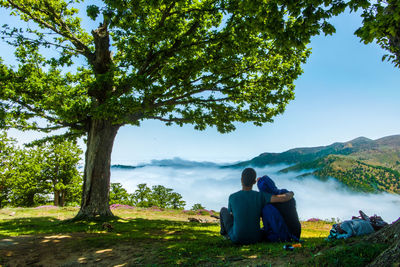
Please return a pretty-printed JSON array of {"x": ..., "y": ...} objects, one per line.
[{"x": 240, "y": 222}]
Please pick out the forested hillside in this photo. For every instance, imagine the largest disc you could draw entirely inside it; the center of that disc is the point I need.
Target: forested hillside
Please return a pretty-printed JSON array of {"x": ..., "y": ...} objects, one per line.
[
  {"x": 356, "y": 174},
  {"x": 362, "y": 164}
]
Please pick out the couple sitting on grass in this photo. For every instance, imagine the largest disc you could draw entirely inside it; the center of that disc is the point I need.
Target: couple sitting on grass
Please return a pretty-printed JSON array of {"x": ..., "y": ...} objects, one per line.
[{"x": 240, "y": 222}]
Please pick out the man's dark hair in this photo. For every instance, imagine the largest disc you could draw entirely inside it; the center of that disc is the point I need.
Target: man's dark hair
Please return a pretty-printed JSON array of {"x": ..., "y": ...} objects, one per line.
[{"x": 248, "y": 176}]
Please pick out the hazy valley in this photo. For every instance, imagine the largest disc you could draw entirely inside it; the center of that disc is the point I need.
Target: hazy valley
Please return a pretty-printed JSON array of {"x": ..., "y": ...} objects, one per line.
[{"x": 361, "y": 164}]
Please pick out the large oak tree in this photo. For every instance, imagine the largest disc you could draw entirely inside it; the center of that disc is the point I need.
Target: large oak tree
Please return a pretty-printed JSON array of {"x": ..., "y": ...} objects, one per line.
[{"x": 202, "y": 62}]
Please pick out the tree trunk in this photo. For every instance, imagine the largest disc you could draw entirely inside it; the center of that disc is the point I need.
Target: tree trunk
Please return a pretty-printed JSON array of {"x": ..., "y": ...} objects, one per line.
[
  {"x": 389, "y": 257},
  {"x": 96, "y": 179},
  {"x": 30, "y": 199},
  {"x": 62, "y": 199},
  {"x": 389, "y": 235},
  {"x": 56, "y": 198}
]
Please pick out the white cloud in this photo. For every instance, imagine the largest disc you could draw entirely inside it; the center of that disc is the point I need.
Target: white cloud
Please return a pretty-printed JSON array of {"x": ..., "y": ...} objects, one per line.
[{"x": 212, "y": 186}]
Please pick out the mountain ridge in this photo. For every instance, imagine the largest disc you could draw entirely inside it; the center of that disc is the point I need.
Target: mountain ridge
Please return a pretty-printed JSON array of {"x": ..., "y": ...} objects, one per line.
[
  {"x": 175, "y": 162},
  {"x": 304, "y": 154},
  {"x": 361, "y": 164}
]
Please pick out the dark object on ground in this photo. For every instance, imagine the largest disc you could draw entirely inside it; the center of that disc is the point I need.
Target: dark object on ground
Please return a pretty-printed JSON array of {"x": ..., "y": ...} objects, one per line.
[
  {"x": 376, "y": 221},
  {"x": 214, "y": 216},
  {"x": 358, "y": 225},
  {"x": 288, "y": 247},
  {"x": 350, "y": 228},
  {"x": 195, "y": 220},
  {"x": 107, "y": 226}
]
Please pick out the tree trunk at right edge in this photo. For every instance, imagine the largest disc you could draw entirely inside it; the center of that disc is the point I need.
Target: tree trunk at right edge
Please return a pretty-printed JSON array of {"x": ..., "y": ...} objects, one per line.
[
  {"x": 390, "y": 235},
  {"x": 96, "y": 180}
]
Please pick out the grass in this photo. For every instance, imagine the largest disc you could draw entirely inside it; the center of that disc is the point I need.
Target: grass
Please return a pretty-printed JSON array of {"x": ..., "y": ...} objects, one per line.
[{"x": 148, "y": 237}]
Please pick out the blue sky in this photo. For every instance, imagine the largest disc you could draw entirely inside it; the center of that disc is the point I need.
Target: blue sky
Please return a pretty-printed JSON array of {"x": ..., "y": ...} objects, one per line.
[{"x": 346, "y": 91}]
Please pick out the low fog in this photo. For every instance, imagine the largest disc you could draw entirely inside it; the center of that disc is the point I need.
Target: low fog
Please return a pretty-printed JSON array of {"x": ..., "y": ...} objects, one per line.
[{"x": 211, "y": 186}]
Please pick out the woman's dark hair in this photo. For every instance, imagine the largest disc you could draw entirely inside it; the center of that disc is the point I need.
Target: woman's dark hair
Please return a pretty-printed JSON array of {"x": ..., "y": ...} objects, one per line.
[{"x": 248, "y": 176}]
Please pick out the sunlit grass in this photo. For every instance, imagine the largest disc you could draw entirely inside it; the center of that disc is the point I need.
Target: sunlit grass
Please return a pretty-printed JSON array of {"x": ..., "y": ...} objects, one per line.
[{"x": 161, "y": 237}]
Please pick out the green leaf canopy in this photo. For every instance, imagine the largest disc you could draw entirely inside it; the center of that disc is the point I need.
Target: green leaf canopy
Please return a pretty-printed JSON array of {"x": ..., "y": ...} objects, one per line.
[{"x": 200, "y": 62}]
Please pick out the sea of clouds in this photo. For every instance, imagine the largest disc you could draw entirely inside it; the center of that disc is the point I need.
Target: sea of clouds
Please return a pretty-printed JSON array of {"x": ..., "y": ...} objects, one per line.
[{"x": 210, "y": 185}]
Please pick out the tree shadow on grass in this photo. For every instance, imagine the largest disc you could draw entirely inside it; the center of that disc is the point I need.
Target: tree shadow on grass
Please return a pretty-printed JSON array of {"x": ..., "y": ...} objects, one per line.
[
  {"x": 135, "y": 241},
  {"x": 27, "y": 226},
  {"x": 28, "y": 240},
  {"x": 143, "y": 227}
]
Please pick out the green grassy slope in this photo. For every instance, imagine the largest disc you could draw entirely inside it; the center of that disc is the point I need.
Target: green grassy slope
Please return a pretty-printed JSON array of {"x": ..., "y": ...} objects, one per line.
[
  {"x": 386, "y": 157},
  {"x": 144, "y": 237}
]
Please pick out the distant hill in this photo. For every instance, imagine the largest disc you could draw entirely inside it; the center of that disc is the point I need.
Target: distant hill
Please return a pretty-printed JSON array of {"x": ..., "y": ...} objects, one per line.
[
  {"x": 124, "y": 167},
  {"x": 362, "y": 164},
  {"x": 355, "y": 174},
  {"x": 299, "y": 155},
  {"x": 174, "y": 163}
]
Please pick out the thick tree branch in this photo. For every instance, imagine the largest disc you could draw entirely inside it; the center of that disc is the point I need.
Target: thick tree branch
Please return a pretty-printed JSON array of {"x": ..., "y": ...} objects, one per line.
[
  {"x": 101, "y": 60},
  {"x": 166, "y": 14}
]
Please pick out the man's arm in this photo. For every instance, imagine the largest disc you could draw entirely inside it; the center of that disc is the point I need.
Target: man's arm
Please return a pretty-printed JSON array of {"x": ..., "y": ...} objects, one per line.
[{"x": 282, "y": 198}]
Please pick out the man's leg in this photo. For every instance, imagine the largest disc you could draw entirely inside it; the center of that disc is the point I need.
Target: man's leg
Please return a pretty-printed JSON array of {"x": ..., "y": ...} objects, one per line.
[{"x": 226, "y": 221}]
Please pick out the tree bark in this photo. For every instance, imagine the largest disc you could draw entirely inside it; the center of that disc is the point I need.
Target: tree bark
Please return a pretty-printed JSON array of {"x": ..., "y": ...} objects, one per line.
[
  {"x": 96, "y": 179},
  {"x": 30, "y": 200},
  {"x": 389, "y": 257},
  {"x": 62, "y": 199},
  {"x": 56, "y": 198},
  {"x": 389, "y": 235}
]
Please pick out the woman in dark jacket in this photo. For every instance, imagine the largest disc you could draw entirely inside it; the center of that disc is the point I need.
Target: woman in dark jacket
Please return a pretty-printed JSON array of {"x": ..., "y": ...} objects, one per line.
[{"x": 286, "y": 209}]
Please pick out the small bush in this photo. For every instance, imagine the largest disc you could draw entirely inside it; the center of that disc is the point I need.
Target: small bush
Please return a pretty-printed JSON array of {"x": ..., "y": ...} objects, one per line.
[{"x": 197, "y": 206}]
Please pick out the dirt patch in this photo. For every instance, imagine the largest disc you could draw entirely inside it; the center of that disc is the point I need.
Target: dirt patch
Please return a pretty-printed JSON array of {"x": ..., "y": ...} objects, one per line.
[{"x": 59, "y": 250}]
